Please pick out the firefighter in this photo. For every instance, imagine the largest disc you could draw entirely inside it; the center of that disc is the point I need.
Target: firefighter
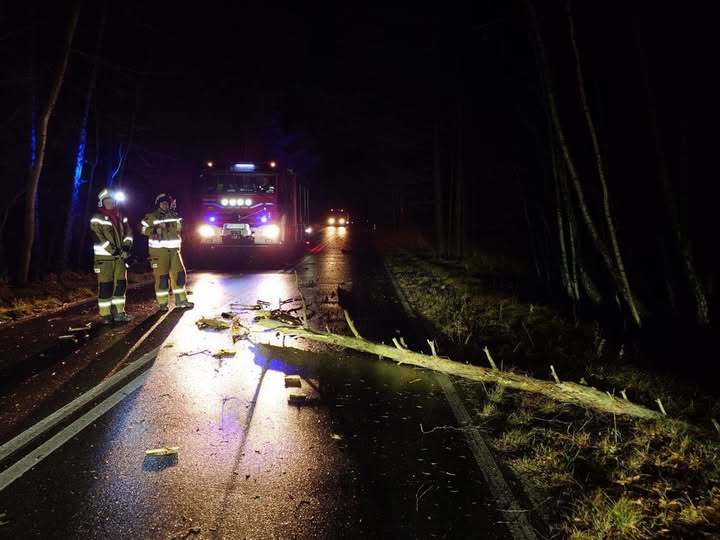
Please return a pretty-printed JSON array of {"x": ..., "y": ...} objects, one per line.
[
  {"x": 162, "y": 227},
  {"x": 113, "y": 241}
]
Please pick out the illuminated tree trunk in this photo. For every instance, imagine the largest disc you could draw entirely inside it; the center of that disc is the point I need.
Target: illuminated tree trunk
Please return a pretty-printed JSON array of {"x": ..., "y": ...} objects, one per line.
[
  {"x": 564, "y": 266},
  {"x": 599, "y": 162},
  {"x": 75, "y": 203},
  {"x": 572, "y": 171},
  {"x": 572, "y": 233},
  {"x": 36, "y": 167},
  {"x": 702, "y": 314}
]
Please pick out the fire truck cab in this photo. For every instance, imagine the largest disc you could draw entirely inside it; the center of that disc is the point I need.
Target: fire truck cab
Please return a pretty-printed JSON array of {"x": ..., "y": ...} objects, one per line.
[
  {"x": 338, "y": 217},
  {"x": 250, "y": 205}
]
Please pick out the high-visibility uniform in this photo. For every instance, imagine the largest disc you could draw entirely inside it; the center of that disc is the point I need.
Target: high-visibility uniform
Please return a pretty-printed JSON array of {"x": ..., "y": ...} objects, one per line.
[
  {"x": 108, "y": 264},
  {"x": 163, "y": 230}
]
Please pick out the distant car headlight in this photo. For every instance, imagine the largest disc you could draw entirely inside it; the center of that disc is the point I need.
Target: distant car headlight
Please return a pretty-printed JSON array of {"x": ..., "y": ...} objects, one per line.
[
  {"x": 224, "y": 202},
  {"x": 232, "y": 202},
  {"x": 331, "y": 221},
  {"x": 271, "y": 231},
  {"x": 206, "y": 231},
  {"x": 342, "y": 221},
  {"x": 308, "y": 230}
]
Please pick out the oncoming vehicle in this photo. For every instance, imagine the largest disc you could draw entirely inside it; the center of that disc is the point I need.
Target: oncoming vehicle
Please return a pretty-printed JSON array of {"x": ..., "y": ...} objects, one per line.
[
  {"x": 338, "y": 216},
  {"x": 250, "y": 205}
]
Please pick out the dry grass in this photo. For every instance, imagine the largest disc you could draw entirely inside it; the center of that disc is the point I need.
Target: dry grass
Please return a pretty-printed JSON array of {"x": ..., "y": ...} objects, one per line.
[
  {"x": 50, "y": 293},
  {"x": 610, "y": 477}
]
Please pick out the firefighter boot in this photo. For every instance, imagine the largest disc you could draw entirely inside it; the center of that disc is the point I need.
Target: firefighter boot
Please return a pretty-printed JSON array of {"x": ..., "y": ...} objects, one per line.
[{"x": 122, "y": 317}]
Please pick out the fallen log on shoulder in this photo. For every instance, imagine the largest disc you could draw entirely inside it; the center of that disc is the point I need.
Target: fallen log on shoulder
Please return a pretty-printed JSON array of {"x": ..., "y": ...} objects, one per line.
[{"x": 567, "y": 392}]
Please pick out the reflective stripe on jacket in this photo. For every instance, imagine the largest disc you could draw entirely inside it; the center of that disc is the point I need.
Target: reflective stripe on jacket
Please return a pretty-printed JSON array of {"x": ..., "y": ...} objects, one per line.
[
  {"x": 108, "y": 238},
  {"x": 165, "y": 226}
]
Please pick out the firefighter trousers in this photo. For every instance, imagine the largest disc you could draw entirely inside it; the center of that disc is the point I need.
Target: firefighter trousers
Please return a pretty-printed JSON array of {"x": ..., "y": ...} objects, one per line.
[
  {"x": 169, "y": 271},
  {"x": 112, "y": 284}
]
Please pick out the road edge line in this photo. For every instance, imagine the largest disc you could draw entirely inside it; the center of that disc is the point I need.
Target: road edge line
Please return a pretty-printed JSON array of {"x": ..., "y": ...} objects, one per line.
[
  {"x": 20, "y": 467},
  {"x": 25, "y": 438},
  {"x": 517, "y": 523}
]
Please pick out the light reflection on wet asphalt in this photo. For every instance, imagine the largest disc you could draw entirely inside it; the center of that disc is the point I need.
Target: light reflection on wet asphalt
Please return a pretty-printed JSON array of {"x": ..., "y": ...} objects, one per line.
[{"x": 351, "y": 463}]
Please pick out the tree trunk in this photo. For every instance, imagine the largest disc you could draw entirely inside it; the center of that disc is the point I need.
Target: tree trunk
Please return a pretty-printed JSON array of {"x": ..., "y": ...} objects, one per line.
[
  {"x": 42, "y": 134},
  {"x": 567, "y": 392},
  {"x": 702, "y": 313},
  {"x": 599, "y": 162},
  {"x": 572, "y": 171},
  {"x": 564, "y": 266},
  {"x": 81, "y": 149},
  {"x": 437, "y": 178},
  {"x": 572, "y": 232}
]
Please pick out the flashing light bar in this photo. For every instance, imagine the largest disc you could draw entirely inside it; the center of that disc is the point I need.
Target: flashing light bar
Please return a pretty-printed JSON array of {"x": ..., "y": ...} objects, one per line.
[{"x": 244, "y": 166}]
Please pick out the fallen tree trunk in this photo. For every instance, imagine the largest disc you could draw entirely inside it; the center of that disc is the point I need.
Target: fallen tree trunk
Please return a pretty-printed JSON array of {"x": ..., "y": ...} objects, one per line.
[{"x": 568, "y": 392}]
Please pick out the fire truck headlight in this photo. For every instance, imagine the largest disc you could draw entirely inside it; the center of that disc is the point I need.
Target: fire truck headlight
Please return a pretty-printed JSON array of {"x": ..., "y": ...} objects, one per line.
[
  {"x": 248, "y": 202},
  {"x": 206, "y": 231},
  {"x": 342, "y": 221},
  {"x": 271, "y": 231},
  {"x": 308, "y": 230},
  {"x": 232, "y": 202},
  {"x": 224, "y": 202},
  {"x": 331, "y": 221}
]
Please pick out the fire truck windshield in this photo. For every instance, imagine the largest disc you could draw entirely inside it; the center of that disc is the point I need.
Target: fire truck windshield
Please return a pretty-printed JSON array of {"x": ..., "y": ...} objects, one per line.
[{"x": 240, "y": 183}]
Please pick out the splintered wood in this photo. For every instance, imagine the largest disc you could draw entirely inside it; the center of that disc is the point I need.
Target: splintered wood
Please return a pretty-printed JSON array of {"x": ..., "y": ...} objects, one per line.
[{"x": 296, "y": 399}]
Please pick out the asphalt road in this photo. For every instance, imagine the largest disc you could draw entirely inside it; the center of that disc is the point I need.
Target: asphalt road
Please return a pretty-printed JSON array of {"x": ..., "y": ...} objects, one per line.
[{"x": 354, "y": 461}]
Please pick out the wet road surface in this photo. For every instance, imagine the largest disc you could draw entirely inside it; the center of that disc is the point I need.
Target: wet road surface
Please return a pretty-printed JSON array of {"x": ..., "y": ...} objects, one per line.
[{"x": 355, "y": 461}]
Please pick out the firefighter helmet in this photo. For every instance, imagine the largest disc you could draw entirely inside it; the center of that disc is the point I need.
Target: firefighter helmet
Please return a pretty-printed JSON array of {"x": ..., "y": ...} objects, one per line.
[
  {"x": 163, "y": 197},
  {"x": 104, "y": 194}
]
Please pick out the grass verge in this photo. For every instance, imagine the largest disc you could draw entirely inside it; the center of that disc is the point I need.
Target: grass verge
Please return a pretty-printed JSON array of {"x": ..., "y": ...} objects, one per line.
[
  {"x": 590, "y": 475},
  {"x": 52, "y": 292}
]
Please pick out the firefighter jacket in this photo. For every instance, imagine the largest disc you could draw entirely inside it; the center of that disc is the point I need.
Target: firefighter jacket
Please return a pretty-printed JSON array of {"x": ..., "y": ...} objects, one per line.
[
  {"x": 109, "y": 239},
  {"x": 163, "y": 229}
]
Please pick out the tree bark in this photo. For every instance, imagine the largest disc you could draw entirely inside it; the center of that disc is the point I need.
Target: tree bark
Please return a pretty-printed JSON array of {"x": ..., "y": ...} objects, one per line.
[
  {"x": 567, "y": 392},
  {"x": 564, "y": 266},
  {"x": 599, "y": 162},
  {"x": 42, "y": 134}
]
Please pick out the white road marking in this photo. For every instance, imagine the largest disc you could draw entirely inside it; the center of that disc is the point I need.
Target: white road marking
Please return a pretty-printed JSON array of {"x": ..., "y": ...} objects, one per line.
[
  {"x": 15, "y": 471},
  {"x": 516, "y": 518},
  {"x": 29, "y": 435}
]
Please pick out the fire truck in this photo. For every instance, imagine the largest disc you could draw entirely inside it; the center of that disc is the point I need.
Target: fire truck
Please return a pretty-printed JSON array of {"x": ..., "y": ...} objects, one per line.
[{"x": 250, "y": 206}]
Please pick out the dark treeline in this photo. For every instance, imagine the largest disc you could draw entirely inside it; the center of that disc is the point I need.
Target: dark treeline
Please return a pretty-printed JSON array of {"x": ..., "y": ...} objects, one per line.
[{"x": 555, "y": 131}]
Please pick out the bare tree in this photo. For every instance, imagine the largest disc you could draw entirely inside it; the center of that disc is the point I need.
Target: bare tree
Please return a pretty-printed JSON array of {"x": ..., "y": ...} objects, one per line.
[
  {"x": 42, "y": 136},
  {"x": 600, "y": 164},
  {"x": 75, "y": 203},
  {"x": 572, "y": 171}
]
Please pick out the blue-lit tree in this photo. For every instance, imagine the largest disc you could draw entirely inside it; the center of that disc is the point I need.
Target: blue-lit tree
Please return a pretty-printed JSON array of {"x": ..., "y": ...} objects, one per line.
[{"x": 78, "y": 181}]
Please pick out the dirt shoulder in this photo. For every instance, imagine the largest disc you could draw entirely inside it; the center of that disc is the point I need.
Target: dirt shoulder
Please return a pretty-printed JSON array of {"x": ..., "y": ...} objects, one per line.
[
  {"x": 590, "y": 475},
  {"x": 53, "y": 292}
]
